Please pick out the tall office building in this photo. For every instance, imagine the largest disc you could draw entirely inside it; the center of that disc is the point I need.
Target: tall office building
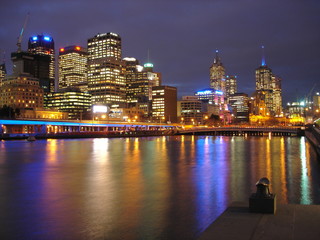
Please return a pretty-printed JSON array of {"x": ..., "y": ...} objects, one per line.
[
  {"x": 164, "y": 104},
  {"x": 73, "y": 101},
  {"x": 106, "y": 70},
  {"x": 140, "y": 81},
  {"x": 217, "y": 74},
  {"x": 72, "y": 66},
  {"x": 240, "y": 106},
  {"x": 37, "y": 65},
  {"x": 231, "y": 85},
  {"x": 270, "y": 84},
  {"x": 190, "y": 110},
  {"x": 44, "y": 45},
  {"x": 3, "y": 72}
]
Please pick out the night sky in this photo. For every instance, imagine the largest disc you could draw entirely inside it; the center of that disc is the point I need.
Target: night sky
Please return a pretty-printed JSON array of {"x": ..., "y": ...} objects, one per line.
[{"x": 182, "y": 36}]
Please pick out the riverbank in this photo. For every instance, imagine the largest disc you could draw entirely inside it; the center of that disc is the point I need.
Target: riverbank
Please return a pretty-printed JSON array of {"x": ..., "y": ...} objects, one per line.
[
  {"x": 291, "y": 221},
  {"x": 313, "y": 135}
]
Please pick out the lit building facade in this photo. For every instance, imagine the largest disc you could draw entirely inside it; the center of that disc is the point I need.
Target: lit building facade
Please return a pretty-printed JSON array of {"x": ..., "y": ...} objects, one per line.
[
  {"x": 190, "y": 110},
  {"x": 259, "y": 103},
  {"x": 164, "y": 104},
  {"x": 106, "y": 70},
  {"x": 140, "y": 81},
  {"x": 22, "y": 92},
  {"x": 231, "y": 85},
  {"x": 271, "y": 84},
  {"x": 211, "y": 96},
  {"x": 44, "y": 45},
  {"x": 217, "y": 74},
  {"x": 42, "y": 114},
  {"x": 72, "y": 66},
  {"x": 240, "y": 106},
  {"x": 74, "y": 102},
  {"x": 3, "y": 72}
]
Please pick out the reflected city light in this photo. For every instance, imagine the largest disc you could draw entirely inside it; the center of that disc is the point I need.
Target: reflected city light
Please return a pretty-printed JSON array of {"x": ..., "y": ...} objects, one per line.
[
  {"x": 149, "y": 187},
  {"x": 305, "y": 192},
  {"x": 100, "y": 149},
  {"x": 52, "y": 148}
]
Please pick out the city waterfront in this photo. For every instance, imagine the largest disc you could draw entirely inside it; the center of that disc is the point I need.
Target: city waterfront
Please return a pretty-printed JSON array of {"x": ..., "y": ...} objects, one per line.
[{"x": 169, "y": 187}]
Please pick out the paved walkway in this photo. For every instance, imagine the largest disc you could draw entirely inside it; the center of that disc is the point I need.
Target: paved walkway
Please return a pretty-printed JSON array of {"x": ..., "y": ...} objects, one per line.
[{"x": 291, "y": 222}]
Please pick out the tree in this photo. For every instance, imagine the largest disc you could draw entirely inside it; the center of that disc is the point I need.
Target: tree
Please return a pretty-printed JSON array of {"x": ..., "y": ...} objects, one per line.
[
  {"x": 213, "y": 120},
  {"x": 7, "y": 112}
]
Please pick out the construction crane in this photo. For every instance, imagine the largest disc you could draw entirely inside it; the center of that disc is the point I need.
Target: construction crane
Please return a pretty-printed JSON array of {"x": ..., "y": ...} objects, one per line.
[
  {"x": 21, "y": 33},
  {"x": 310, "y": 93}
]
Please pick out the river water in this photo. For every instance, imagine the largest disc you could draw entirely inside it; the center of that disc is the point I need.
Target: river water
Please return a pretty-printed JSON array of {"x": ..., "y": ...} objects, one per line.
[{"x": 143, "y": 188}]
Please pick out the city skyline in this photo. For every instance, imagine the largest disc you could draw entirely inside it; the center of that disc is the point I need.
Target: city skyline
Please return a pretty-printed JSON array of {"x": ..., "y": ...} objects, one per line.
[{"x": 171, "y": 34}]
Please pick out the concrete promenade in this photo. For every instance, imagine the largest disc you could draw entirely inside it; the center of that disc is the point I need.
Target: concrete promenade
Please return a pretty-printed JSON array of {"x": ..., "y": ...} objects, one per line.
[{"x": 291, "y": 222}]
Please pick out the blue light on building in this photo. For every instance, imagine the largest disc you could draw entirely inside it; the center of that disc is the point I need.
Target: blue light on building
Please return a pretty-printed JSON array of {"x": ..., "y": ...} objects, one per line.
[
  {"x": 47, "y": 38},
  {"x": 204, "y": 92}
]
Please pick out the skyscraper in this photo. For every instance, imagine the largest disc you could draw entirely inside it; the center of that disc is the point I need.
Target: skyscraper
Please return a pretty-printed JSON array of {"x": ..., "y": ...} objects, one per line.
[
  {"x": 240, "y": 106},
  {"x": 270, "y": 84},
  {"x": 73, "y": 101},
  {"x": 231, "y": 85},
  {"x": 44, "y": 45},
  {"x": 106, "y": 70},
  {"x": 140, "y": 81},
  {"x": 72, "y": 66},
  {"x": 37, "y": 65},
  {"x": 3, "y": 72},
  {"x": 217, "y": 74}
]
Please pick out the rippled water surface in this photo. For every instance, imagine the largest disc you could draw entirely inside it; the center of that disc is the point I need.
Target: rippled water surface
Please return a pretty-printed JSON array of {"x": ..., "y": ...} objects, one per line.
[{"x": 143, "y": 188}]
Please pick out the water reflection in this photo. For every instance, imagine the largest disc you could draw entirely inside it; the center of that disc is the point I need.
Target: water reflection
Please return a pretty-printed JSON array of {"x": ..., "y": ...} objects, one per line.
[
  {"x": 143, "y": 188},
  {"x": 305, "y": 194}
]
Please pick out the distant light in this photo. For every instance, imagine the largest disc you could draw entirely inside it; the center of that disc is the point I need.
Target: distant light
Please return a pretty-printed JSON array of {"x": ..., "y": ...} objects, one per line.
[
  {"x": 100, "y": 109},
  {"x": 35, "y": 38},
  {"x": 78, "y": 48},
  {"x": 204, "y": 92},
  {"x": 130, "y": 59},
  {"x": 217, "y": 50},
  {"x": 302, "y": 103},
  {"x": 46, "y": 38},
  {"x": 61, "y": 49},
  {"x": 139, "y": 68},
  {"x": 148, "y": 65}
]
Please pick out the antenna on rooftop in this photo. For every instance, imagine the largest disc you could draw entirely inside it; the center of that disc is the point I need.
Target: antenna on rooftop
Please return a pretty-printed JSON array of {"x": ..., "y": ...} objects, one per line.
[{"x": 263, "y": 60}]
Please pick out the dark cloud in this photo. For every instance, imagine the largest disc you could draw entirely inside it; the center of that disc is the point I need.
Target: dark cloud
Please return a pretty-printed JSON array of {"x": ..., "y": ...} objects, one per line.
[{"x": 182, "y": 36}]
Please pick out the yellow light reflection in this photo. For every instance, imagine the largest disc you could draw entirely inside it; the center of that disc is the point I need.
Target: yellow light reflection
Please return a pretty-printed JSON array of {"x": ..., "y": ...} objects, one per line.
[
  {"x": 100, "y": 149},
  {"x": 283, "y": 176},
  {"x": 51, "y": 149}
]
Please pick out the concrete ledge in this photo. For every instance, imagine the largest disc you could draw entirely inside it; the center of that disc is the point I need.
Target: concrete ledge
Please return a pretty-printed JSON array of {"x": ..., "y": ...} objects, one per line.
[{"x": 291, "y": 222}]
